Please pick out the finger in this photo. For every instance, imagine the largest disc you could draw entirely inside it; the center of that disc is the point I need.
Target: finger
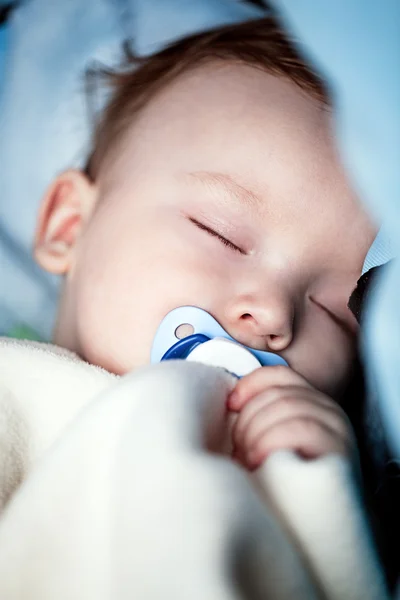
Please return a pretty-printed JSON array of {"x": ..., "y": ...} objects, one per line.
[
  {"x": 256, "y": 382},
  {"x": 270, "y": 396},
  {"x": 308, "y": 438},
  {"x": 287, "y": 407}
]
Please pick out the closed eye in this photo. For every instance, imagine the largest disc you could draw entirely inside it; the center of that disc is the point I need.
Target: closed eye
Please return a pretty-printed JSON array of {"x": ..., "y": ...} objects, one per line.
[{"x": 221, "y": 238}]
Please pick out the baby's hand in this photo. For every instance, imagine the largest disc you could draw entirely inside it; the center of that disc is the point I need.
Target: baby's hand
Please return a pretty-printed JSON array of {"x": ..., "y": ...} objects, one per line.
[{"x": 278, "y": 409}]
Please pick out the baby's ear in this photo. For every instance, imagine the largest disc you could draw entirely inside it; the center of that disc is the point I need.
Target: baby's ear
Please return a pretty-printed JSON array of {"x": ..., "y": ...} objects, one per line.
[{"x": 65, "y": 209}]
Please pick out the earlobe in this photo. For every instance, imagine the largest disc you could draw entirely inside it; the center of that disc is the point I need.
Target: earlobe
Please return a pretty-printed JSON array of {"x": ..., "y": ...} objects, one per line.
[{"x": 65, "y": 209}]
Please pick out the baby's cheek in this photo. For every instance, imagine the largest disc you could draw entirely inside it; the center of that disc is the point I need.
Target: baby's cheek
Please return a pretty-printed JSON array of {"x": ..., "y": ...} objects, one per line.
[
  {"x": 98, "y": 319},
  {"x": 329, "y": 376},
  {"x": 325, "y": 356}
]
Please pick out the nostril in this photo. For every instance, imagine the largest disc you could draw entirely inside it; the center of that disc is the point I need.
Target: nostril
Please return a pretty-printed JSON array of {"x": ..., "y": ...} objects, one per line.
[{"x": 246, "y": 316}]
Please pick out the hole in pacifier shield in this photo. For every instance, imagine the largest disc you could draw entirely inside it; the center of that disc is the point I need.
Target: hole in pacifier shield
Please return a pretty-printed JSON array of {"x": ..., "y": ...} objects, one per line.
[{"x": 183, "y": 331}]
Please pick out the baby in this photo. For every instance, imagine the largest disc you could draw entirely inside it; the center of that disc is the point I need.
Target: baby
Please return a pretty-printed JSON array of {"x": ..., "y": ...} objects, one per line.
[{"x": 215, "y": 182}]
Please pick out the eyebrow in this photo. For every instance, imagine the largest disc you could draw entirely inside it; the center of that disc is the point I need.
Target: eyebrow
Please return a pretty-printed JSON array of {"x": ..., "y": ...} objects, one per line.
[{"x": 225, "y": 185}]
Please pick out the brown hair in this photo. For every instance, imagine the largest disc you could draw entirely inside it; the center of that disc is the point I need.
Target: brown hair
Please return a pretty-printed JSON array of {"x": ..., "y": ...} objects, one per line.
[{"x": 260, "y": 43}]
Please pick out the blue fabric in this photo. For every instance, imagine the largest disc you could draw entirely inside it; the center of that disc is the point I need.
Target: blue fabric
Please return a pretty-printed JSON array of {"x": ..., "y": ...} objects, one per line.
[
  {"x": 3, "y": 50},
  {"x": 44, "y": 125},
  {"x": 381, "y": 251},
  {"x": 4, "y": 35}
]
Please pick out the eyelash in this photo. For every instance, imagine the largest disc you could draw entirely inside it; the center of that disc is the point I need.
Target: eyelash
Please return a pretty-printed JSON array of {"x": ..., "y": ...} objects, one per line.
[{"x": 215, "y": 234}]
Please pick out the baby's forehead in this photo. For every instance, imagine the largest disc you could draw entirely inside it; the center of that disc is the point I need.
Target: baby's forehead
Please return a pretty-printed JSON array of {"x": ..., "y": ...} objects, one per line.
[
  {"x": 228, "y": 118},
  {"x": 221, "y": 85},
  {"x": 221, "y": 70},
  {"x": 227, "y": 100}
]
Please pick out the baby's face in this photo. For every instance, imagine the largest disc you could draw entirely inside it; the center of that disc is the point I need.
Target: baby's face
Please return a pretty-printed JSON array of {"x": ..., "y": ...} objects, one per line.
[{"x": 226, "y": 194}]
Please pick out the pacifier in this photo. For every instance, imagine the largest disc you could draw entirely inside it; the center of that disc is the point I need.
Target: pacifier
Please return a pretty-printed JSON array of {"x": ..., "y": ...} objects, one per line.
[{"x": 190, "y": 333}]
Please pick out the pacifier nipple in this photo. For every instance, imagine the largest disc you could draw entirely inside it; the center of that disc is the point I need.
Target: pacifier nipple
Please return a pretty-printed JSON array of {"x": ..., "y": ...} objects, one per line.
[{"x": 227, "y": 354}]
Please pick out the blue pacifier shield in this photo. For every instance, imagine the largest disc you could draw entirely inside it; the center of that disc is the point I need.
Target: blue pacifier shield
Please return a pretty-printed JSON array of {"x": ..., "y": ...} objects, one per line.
[{"x": 167, "y": 344}]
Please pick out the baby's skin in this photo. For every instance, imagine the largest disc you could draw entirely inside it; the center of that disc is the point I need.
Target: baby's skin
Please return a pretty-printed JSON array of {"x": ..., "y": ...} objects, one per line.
[
  {"x": 226, "y": 193},
  {"x": 278, "y": 409}
]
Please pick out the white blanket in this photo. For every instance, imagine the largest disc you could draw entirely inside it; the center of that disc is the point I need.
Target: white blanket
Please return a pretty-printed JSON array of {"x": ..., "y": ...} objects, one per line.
[{"x": 119, "y": 488}]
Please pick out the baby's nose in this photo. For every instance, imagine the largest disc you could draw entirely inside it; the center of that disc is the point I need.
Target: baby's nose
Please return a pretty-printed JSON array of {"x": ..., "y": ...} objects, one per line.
[{"x": 262, "y": 325}]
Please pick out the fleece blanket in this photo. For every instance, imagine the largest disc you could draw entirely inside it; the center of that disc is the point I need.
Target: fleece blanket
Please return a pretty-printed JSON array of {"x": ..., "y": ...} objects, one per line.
[{"x": 124, "y": 488}]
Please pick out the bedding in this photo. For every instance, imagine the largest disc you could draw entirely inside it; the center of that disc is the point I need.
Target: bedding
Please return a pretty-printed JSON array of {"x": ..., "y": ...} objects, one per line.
[{"x": 124, "y": 487}]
